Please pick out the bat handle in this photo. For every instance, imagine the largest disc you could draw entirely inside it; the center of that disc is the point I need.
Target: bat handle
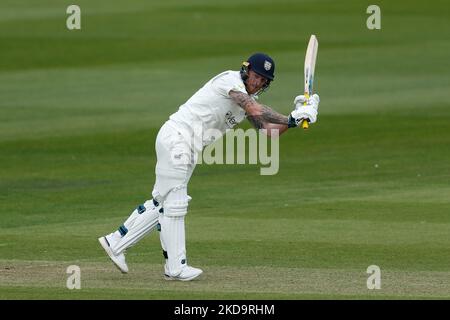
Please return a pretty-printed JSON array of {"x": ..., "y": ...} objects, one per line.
[{"x": 305, "y": 124}]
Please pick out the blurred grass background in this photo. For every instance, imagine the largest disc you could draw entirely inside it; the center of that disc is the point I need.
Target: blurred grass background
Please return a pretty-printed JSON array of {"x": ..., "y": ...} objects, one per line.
[{"x": 368, "y": 184}]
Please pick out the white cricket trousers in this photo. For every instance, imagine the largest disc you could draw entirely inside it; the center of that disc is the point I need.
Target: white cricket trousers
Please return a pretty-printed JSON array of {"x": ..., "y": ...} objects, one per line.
[{"x": 176, "y": 161}]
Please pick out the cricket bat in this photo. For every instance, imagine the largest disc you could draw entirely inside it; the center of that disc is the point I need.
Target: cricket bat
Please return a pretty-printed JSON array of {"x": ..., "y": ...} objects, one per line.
[{"x": 310, "y": 64}]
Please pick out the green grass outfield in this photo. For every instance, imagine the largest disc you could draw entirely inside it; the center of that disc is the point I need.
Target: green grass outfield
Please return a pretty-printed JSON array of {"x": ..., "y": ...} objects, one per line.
[{"x": 366, "y": 185}]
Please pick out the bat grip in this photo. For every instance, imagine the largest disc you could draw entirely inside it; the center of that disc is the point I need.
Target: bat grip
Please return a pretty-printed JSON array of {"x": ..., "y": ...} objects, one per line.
[{"x": 304, "y": 123}]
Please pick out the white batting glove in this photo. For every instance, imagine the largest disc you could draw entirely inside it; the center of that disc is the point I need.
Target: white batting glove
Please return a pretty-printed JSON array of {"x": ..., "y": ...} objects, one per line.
[
  {"x": 308, "y": 112},
  {"x": 299, "y": 99},
  {"x": 305, "y": 112}
]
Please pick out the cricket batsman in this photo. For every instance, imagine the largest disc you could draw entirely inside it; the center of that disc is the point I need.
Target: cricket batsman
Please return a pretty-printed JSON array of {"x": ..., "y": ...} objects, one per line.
[{"x": 224, "y": 101}]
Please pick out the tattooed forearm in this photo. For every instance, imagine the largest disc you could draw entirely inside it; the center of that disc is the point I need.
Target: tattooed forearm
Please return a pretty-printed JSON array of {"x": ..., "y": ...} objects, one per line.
[
  {"x": 268, "y": 115},
  {"x": 242, "y": 99},
  {"x": 256, "y": 122},
  {"x": 259, "y": 115}
]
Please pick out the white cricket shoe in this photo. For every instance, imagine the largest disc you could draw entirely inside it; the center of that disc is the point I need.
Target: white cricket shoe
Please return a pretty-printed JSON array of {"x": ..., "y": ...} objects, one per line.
[
  {"x": 119, "y": 260},
  {"x": 188, "y": 273}
]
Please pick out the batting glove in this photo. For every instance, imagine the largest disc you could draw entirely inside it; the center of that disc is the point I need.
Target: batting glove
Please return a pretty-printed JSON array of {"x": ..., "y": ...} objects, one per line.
[
  {"x": 308, "y": 112},
  {"x": 301, "y": 99}
]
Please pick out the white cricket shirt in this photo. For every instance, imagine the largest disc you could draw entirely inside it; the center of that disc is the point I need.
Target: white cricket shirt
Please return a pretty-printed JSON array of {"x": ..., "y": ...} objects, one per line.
[{"x": 210, "y": 112}]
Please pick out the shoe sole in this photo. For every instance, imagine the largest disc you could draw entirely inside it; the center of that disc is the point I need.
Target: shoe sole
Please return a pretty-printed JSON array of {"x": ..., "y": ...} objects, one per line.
[
  {"x": 107, "y": 248},
  {"x": 169, "y": 278}
]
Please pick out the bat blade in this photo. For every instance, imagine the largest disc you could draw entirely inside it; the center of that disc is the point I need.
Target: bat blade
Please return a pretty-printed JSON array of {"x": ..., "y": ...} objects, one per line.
[{"x": 310, "y": 64}]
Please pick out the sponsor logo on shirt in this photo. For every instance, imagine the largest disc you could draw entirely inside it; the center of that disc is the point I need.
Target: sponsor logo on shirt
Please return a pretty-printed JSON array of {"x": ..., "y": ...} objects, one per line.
[{"x": 230, "y": 119}]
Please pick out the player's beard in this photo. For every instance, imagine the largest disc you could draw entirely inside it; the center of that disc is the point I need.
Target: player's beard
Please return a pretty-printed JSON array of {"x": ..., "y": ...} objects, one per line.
[{"x": 252, "y": 88}]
